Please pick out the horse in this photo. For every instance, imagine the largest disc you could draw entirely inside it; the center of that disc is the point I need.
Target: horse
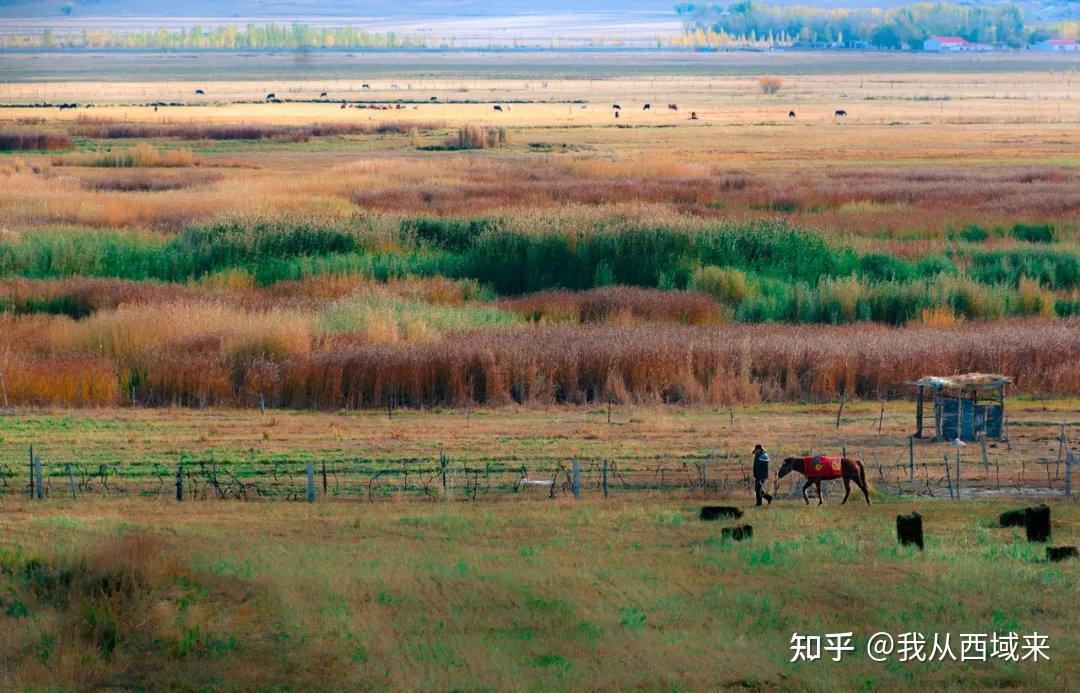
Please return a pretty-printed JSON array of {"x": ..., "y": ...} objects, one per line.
[{"x": 850, "y": 470}]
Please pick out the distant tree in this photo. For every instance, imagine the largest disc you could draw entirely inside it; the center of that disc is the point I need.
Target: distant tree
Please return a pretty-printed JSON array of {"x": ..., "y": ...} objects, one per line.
[{"x": 885, "y": 36}]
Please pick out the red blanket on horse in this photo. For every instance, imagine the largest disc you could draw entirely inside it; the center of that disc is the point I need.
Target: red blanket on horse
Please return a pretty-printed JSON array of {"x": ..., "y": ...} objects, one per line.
[{"x": 820, "y": 467}]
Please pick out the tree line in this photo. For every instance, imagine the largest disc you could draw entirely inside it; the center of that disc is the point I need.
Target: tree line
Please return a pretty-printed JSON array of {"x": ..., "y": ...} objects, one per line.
[
  {"x": 229, "y": 37},
  {"x": 749, "y": 21}
]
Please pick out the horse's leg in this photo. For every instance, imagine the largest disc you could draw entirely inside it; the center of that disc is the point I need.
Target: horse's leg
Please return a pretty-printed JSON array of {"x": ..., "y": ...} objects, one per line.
[
  {"x": 820, "y": 500},
  {"x": 861, "y": 481},
  {"x": 847, "y": 490},
  {"x": 804, "y": 496}
]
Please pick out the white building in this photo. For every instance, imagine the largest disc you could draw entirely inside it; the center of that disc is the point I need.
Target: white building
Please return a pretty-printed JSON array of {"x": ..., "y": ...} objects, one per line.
[
  {"x": 1056, "y": 44},
  {"x": 944, "y": 44}
]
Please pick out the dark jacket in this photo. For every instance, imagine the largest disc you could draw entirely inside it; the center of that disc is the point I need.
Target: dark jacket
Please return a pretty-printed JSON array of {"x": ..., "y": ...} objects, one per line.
[{"x": 761, "y": 465}]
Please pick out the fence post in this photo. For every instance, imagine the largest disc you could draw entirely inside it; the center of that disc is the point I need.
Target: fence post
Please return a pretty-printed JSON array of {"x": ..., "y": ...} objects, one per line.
[
  {"x": 1061, "y": 451},
  {"x": 30, "y": 486},
  {"x": 948, "y": 476},
  {"x": 911, "y": 460},
  {"x": 37, "y": 472},
  {"x": 444, "y": 462},
  {"x": 179, "y": 481},
  {"x": 1068, "y": 474},
  {"x": 604, "y": 474},
  {"x": 324, "y": 485},
  {"x": 262, "y": 405},
  {"x": 576, "y": 483},
  {"x": 310, "y": 481},
  {"x": 705, "y": 476},
  {"x": 985, "y": 458},
  {"x": 71, "y": 480},
  {"x": 957, "y": 473}
]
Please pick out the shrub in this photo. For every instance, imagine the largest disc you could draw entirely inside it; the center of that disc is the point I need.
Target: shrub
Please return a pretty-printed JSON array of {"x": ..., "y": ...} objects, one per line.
[
  {"x": 770, "y": 85},
  {"x": 474, "y": 137},
  {"x": 1033, "y": 233},
  {"x": 726, "y": 284},
  {"x": 30, "y": 141}
]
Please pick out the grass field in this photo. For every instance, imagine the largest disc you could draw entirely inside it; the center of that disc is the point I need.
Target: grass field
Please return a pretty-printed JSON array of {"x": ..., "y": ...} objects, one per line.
[
  {"x": 623, "y": 594},
  {"x": 407, "y": 278}
]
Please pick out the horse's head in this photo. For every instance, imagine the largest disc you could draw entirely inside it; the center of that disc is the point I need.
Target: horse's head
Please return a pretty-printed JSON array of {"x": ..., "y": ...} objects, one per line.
[{"x": 786, "y": 468}]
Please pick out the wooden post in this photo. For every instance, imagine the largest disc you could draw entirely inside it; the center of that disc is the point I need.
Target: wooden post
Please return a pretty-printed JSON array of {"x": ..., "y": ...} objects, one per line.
[
  {"x": 30, "y": 486},
  {"x": 957, "y": 473},
  {"x": 575, "y": 484},
  {"x": 444, "y": 462},
  {"x": 609, "y": 412},
  {"x": 604, "y": 477},
  {"x": 911, "y": 459},
  {"x": 71, "y": 480},
  {"x": 180, "y": 481},
  {"x": 918, "y": 412},
  {"x": 262, "y": 405},
  {"x": 705, "y": 476},
  {"x": 840, "y": 411},
  {"x": 985, "y": 458},
  {"x": 37, "y": 472},
  {"x": 1061, "y": 452},
  {"x": 324, "y": 486},
  {"x": 3, "y": 390},
  {"x": 881, "y": 415},
  {"x": 310, "y": 481},
  {"x": 948, "y": 476},
  {"x": 1068, "y": 474}
]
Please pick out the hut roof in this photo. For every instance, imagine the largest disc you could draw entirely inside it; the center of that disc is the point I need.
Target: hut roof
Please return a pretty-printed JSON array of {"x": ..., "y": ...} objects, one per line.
[{"x": 964, "y": 381}]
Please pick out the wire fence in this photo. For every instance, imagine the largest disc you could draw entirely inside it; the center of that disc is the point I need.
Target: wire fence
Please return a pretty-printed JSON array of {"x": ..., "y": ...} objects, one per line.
[{"x": 205, "y": 477}]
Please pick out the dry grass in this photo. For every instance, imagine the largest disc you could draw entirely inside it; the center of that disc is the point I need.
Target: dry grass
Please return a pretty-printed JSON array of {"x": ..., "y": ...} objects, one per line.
[{"x": 42, "y": 141}]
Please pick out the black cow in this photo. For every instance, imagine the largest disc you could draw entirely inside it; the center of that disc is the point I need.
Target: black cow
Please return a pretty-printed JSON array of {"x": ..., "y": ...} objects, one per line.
[
  {"x": 693, "y": 115},
  {"x": 672, "y": 107},
  {"x": 199, "y": 92},
  {"x": 271, "y": 96},
  {"x": 498, "y": 108},
  {"x": 646, "y": 107},
  {"x": 841, "y": 112},
  {"x": 791, "y": 114},
  {"x": 322, "y": 95},
  {"x": 616, "y": 106},
  {"x": 365, "y": 86}
]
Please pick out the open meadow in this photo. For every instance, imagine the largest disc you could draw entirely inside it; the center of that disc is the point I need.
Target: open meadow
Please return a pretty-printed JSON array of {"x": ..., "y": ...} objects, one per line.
[{"x": 432, "y": 276}]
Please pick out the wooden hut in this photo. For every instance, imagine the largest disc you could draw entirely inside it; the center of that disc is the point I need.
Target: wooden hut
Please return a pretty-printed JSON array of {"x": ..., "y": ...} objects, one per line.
[{"x": 969, "y": 406}]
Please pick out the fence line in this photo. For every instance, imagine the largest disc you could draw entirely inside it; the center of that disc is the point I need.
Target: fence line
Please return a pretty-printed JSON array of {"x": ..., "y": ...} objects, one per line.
[{"x": 201, "y": 478}]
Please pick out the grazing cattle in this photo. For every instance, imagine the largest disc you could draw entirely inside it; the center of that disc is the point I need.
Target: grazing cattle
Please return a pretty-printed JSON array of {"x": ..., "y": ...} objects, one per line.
[
  {"x": 841, "y": 112},
  {"x": 155, "y": 109},
  {"x": 434, "y": 98},
  {"x": 271, "y": 96},
  {"x": 673, "y": 107},
  {"x": 616, "y": 107},
  {"x": 344, "y": 106},
  {"x": 498, "y": 108},
  {"x": 199, "y": 91},
  {"x": 693, "y": 115},
  {"x": 791, "y": 114},
  {"x": 646, "y": 107},
  {"x": 322, "y": 95},
  {"x": 365, "y": 86},
  {"x": 616, "y": 114}
]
